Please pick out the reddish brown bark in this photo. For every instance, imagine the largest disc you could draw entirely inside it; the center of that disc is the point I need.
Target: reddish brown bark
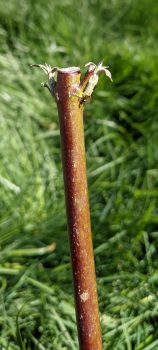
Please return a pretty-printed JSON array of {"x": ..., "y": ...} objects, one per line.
[{"x": 75, "y": 180}]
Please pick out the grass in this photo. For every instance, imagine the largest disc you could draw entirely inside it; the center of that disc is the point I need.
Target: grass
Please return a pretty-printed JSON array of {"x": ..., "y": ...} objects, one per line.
[{"x": 121, "y": 126}]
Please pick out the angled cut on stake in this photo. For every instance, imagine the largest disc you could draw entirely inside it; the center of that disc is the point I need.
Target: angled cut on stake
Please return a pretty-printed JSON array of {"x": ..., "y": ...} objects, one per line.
[{"x": 70, "y": 94}]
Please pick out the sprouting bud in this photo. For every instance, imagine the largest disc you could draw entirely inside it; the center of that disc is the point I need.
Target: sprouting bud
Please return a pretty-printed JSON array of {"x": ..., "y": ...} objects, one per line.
[
  {"x": 51, "y": 72},
  {"x": 102, "y": 69},
  {"x": 95, "y": 77}
]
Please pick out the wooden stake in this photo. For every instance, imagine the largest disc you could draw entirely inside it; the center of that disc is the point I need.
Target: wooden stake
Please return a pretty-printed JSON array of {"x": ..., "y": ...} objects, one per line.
[
  {"x": 77, "y": 204},
  {"x": 70, "y": 94}
]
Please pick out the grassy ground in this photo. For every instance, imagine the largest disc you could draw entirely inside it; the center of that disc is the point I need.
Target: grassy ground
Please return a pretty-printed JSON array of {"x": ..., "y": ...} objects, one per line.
[{"x": 121, "y": 127}]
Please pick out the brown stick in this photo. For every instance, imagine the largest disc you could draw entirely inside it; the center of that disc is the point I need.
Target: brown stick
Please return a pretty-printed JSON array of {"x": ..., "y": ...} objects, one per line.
[{"x": 77, "y": 204}]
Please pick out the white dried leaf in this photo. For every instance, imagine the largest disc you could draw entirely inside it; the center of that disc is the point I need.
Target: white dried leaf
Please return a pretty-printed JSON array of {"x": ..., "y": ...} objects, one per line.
[{"x": 107, "y": 73}]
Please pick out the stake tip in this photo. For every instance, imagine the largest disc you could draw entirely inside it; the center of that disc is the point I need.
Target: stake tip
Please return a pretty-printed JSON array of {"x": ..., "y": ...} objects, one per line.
[{"x": 69, "y": 70}]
